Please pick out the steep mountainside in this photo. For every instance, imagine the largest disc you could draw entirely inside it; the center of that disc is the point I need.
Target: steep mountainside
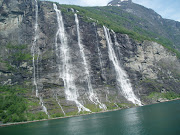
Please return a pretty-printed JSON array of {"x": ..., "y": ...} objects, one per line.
[
  {"x": 60, "y": 60},
  {"x": 150, "y": 21}
]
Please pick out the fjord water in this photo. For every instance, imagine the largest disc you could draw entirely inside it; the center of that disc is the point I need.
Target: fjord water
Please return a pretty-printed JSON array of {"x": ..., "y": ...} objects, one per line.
[{"x": 156, "y": 119}]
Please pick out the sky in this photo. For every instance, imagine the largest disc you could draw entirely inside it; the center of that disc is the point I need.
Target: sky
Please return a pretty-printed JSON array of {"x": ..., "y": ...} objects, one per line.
[{"x": 169, "y": 9}]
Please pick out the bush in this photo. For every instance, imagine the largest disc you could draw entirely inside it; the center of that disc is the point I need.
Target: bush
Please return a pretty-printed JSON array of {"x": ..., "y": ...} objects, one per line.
[
  {"x": 41, "y": 115},
  {"x": 13, "y": 105},
  {"x": 171, "y": 95},
  {"x": 168, "y": 95},
  {"x": 57, "y": 115}
]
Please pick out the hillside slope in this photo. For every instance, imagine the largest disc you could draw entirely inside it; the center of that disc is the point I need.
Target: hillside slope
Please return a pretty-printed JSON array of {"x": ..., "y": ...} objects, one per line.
[{"x": 150, "y": 21}]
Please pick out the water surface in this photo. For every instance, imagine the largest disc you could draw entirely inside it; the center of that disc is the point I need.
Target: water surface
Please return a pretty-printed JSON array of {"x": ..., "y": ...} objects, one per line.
[{"x": 157, "y": 119}]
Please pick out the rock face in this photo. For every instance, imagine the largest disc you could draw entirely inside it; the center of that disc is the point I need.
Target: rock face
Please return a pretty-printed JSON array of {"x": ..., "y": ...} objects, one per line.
[{"x": 148, "y": 65}]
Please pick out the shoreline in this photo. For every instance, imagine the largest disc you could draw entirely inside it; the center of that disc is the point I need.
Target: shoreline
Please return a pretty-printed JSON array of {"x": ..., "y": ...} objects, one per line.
[{"x": 26, "y": 122}]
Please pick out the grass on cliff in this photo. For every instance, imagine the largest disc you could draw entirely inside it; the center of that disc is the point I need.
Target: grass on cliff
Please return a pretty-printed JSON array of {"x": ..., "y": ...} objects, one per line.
[
  {"x": 116, "y": 19},
  {"x": 168, "y": 95}
]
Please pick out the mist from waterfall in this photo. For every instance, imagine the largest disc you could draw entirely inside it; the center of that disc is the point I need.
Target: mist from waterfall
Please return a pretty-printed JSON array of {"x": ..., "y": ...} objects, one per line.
[
  {"x": 92, "y": 96},
  {"x": 121, "y": 77},
  {"x": 63, "y": 55}
]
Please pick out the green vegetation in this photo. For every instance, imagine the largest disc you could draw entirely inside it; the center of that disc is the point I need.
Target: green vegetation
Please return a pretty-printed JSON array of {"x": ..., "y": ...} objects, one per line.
[
  {"x": 36, "y": 116},
  {"x": 18, "y": 53},
  {"x": 111, "y": 106},
  {"x": 110, "y": 86},
  {"x": 152, "y": 85},
  {"x": 56, "y": 115},
  {"x": 171, "y": 49},
  {"x": 15, "y": 106},
  {"x": 121, "y": 22},
  {"x": 125, "y": 105},
  {"x": 168, "y": 95},
  {"x": 158, "y": 90},
  {"x": 93, "y": 107},
  {"x": 18, "y": 47},
  {"x": 72, "y": 113}
]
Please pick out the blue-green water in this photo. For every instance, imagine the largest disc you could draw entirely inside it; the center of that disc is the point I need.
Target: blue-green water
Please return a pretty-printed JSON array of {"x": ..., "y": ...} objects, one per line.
[{"x": 157, "y": 119}]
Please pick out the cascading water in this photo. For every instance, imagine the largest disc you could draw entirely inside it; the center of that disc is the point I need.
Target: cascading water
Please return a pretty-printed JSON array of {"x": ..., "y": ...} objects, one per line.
[
  {"x": 57, "y": 100},
  {"x": 92, "y": 96},
  {"x": 43, "y": 106},
  {"x": 35, "y": 50},
  {"x": 63, "y": 54},
  {"x": 121, "y": 77}
]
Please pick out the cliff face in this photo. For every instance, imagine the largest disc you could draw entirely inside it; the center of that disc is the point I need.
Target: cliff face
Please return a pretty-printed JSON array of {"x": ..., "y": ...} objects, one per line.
[{"x": 148, "y": 67}]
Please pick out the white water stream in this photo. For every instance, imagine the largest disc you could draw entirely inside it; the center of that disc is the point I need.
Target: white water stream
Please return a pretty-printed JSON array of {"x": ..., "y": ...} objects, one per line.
[
  {"x": 58, "y": 101},
  {"x": 92, "y": 96},
  {"x": 34, "y": 50},
  {"x": 121, "y": 77},
  {"x": 63, "y": 54}
]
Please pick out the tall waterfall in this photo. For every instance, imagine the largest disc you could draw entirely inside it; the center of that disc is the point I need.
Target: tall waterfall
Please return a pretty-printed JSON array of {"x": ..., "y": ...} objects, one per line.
[
  {"x": 63, "y": 54},
  {"x": 121, "y": 76},
  {"x": 92, "y": 96},
  {"x": 35, "y": 50}
]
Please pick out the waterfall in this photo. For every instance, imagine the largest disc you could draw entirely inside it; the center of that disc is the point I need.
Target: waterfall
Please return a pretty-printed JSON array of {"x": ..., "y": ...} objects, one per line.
[
  {"x": 57, "y": 100},
  {"x": 43, "y": 106},
  {"x": 121, "y": 77},
  {"x": 63, "y": 54},
  {"x": 35, "y": 50},
  {"x": 92, "y": 96}
]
